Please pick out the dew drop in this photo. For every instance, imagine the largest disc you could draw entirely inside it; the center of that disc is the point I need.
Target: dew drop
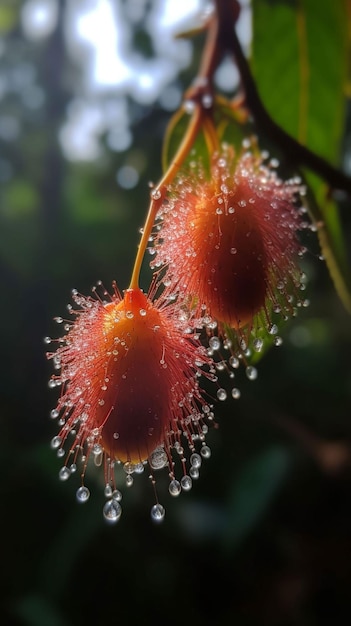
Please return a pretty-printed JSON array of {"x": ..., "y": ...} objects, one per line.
[
  {"x": 207, "y": 101},
  {"x": 236, "y": 393},
  {"x": 233, "y": 250},
  {"x": 194, "y": 473},
  {"x": 186, "y": 483},
  {"x": 129, "y": 480},
  {"x": 251, "y": 372},
  {"x": 214, "y": 343},
  {"x": 273, "y": 329},
  {"x": 116, "y": 495},
  {"x": 157, "y": 513},
  {"x": 142, "y": 312},
  {"x": 155, "y": 194},
  {"x": 257, "y": 344},
  {"x": 278, "y": 341},
  {"x": 55, "y": 442},
  {"x": 174, "y": 488},
  {"x": 221, "y": 394},
  {"x": 195, "y": 460},
  {"x": 112, "y": 511},
  {"x": 64, "y": 473},
  {"x": 205, "y": 452},
  {"x": 83, "y": 494},
  {"x": 158, "y": 458},
  {"x": 234, "y": 362},
  {"x": 108, "y": 491}
]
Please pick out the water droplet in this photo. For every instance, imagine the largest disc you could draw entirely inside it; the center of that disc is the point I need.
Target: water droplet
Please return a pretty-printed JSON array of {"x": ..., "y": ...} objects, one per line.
[
  {"x": 155, "y": 194},
  {"x": 221, "y": 394},
  {"x": 189, "y": 106},
  {"x": 157, "y": 513},
  {"x": 129, "y": 467},
  {"x": 236, "y": 393},
  {"x": 83, "y": 494},
  {"x": 207, "y": 101},
  {"x": 142, "y": 312},
  {"x": 174, "y": 488},
  {"x": 116, "y": 495},
  {"x": 231, "y": 210},
  {"x": 233, "y": 250},
  {"x": 214, "y": 343},
  {"x": 129, "y": 480},
  {"x": 205, "y": 452},
  {"x": 194, "y": 473},
  {"x": 158, "y": 458},
  {"x": 129, "y": 315},
  {"x": 195, "y": 460},
  {"x": 112, "y": 511},
  {"x": 139, "y": 468},
  {"x": 273, "y": 329},
  {"x": 186, "y": 483},
  {"x": 257, "y": 344},
  {"x": 108, "y": 491},
  {"x": 64, "y": 473},
  {"x": 234, "y": 362},
  {"x": 278, "y": 341},
  {"x": 55, "y": 442},
  {"x": 47, "y": 340},
  {"x": 251, "y": 372}
]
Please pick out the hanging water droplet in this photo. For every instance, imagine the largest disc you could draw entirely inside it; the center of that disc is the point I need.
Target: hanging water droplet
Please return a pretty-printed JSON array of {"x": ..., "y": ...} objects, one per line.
[
  {"x": 205, "y": 452},
  {"x": 221, "y": 394},
  {"x": 157, "y": 513},
  {"x": 233, "y": 250},
  {"x": 112, "y": 511},
  {"x": 214, "y": 343},
  {"x": 129, "y": 467},
  {"x": 116, "y": 495},
  {"x": 236, "y": 393},
  {"x": 273, "y": 329},
  {"x": 55, "y": 442},
  {"x": 54, "y": 414},
  {"x": 257, "y": 344},
  {"x": 251, "y": 372},
  {"x": 64, "y": 473},
  {"x": 174, "y": 488},
  {"x": 186, "y": 483},
  {"x": 83, "y": 494},
  {"x": 234, "y": 362},
  {"x": 158, "y": 458},
  {"x": 194, "y": 473},
  {"x": 108, "y": 491},
  {"x": 129, "y": 480},
  {"x": 278, "y": 341},
  {"x": 195, "y": 460}
]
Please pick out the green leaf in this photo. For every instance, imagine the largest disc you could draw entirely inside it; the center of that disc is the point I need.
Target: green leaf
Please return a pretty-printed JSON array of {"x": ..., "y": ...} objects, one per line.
[
  {"x": 300, "y": 58},
  {"x": 252, "y": 493},
  {"x": 325, "y": 214}
]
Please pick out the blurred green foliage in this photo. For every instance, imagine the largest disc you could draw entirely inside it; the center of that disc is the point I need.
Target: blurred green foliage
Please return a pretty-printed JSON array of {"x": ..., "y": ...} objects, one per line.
[{"x": 264, "y": 536}]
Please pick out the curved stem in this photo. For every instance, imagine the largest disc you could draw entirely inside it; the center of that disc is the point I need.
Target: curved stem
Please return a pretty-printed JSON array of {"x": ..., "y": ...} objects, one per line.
[{"x": 158, "y": 193}]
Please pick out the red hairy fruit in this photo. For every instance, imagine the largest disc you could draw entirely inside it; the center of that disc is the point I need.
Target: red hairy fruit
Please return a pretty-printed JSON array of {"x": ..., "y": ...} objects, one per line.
[
  {"x": 129, "y": 379},
  {"x": 229, "y": 240}
]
